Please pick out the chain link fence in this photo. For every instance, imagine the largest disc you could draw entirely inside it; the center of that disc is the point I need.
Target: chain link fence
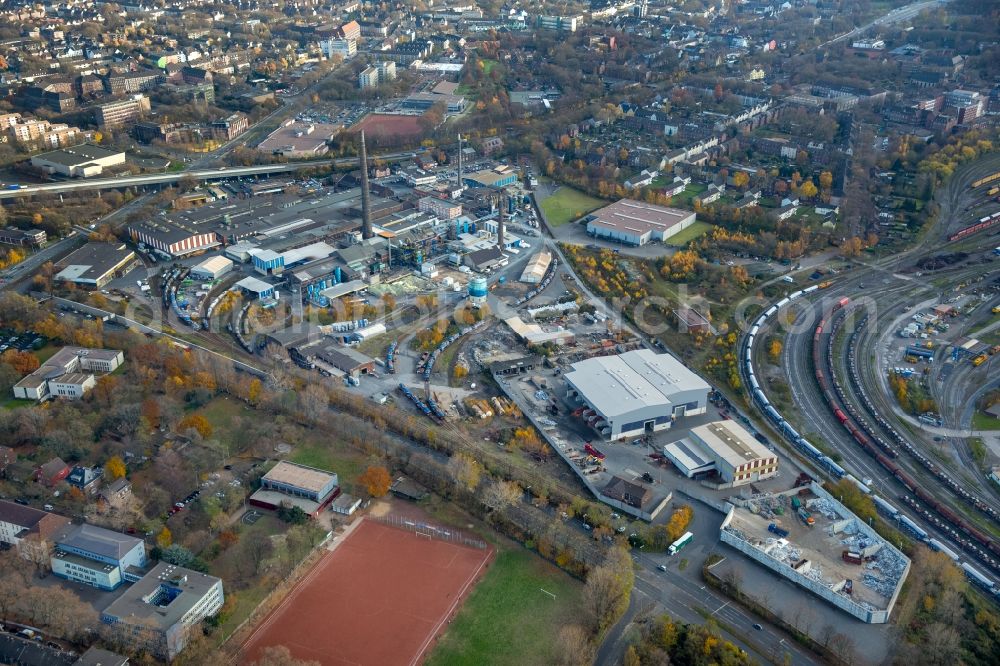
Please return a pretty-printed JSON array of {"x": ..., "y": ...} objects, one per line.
[{"x": 428, "y": 530}]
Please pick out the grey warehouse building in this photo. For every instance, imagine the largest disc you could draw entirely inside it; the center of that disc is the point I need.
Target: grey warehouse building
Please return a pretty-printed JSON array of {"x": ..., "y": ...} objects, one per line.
[{"x": 635, "y": 393}]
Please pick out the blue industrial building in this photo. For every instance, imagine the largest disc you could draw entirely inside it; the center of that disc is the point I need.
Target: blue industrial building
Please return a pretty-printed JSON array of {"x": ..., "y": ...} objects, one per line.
[
  {"x": 98, "y": 557},
  {"x": 275, "y": 262}
]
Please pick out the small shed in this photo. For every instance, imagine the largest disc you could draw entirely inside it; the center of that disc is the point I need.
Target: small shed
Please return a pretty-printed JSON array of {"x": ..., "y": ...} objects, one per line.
[{"x": 345, "y": 504}]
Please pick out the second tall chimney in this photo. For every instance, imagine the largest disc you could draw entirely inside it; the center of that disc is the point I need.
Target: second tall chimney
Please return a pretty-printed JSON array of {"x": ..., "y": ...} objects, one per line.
[{"x": 366, "y": 218}]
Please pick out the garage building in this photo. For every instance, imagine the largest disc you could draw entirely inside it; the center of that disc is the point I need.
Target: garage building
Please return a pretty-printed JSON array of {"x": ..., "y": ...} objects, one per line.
[
  {"x": 726, "y": 448},
  {"x": 96, "y": 264},
  {"x": 637, "y": 223},
  {"x": 635, "y": 393},
  {"x": 347, "y": 360}
]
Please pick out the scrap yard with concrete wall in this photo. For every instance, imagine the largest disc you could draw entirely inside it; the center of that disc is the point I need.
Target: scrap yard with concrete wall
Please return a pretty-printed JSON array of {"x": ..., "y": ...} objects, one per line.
[{"x": 836, "y": 556}]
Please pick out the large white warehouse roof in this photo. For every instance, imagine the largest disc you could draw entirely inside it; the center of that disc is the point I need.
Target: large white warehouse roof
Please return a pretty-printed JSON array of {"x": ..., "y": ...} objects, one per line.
[{"x": 617, "y": 385}]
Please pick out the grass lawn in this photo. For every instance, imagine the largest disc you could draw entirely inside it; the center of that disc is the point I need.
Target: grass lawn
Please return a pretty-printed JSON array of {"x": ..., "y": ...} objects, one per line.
[
  {"x": 696, "y": 230},
  {"x": 508, "y": 619},
  {"x": 683, "y": 200},
  {"x": 377, "y": 345},
  {"x": 488, "y": 66},
  {"x": 981, "y": 421},
  {"x": 221, "y": 412},
  {"x": 10, "y": 402},
  {"x": 444, "y": 360},
  {"x": 332, "y": 454},
  {"x": 246, "y": 601},
  {"x": 47, "y": 352},
  {"x": 566, "y": 205}
]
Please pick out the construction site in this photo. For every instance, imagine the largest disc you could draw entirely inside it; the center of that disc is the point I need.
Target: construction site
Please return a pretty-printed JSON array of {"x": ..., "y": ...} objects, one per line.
[{"x": 807, "y": 536}]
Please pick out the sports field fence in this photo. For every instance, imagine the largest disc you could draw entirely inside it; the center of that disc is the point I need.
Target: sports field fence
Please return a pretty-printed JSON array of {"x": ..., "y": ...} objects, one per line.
[{"x": 429, "y": 531}]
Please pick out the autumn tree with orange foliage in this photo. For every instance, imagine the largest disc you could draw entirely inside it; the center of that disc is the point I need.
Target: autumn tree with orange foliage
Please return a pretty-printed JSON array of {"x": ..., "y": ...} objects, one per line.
[
  {"x": 23, "y": 362},
  {"x": 150, "y": 410},
  {"x": 774, "y": 350},
  {"x": 376, "y": 480},
  {"x": 196, "y": 422},
  {"x": 851, "y": 247},
  {"x": 679, "y": 521},
  {"x": 527, "y": 440},
  {"x": 115, "y": 468}
]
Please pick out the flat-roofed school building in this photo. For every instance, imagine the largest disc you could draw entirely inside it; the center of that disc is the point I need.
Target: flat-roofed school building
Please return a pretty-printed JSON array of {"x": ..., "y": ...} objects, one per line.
[{"x": 292, "y": 484}]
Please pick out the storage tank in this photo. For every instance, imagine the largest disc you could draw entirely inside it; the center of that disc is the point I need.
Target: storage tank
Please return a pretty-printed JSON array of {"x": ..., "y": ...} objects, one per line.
[{"x": 478, "y": 290}]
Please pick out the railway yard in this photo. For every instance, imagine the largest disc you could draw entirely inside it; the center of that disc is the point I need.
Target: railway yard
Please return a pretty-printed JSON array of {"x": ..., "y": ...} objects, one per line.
[{"x": 909, "y": 318}]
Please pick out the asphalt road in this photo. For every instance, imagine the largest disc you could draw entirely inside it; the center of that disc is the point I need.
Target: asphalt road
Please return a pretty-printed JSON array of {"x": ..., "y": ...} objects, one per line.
[
  {"x": 690, "y": 601},
  {"x": 895, "y": 16}
]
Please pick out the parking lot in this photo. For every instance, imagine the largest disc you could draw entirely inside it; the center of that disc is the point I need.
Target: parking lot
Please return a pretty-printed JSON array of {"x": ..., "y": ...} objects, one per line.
[{"x": 27, "y": 341}]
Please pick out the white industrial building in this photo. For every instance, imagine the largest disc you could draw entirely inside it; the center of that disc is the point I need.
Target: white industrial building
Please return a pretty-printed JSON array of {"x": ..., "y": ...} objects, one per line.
[
  {"x": 635, "y": 393},
  {"x": 84, "y": 160},
  {"x": 537, "y": 267},
  {"x": 725, "y": 448},
  {"x": 634, "y": 222},
  {"x": 212, "y": 268}
]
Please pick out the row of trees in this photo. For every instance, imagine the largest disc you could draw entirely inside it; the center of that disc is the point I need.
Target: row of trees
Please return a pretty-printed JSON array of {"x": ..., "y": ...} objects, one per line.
[
  {"x": 53, "y": 609},
  {"x": 663, "y": 640}
]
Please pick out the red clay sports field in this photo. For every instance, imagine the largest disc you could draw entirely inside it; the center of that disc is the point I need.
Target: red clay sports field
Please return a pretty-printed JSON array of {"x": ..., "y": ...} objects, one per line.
[{"x": 381, "y": 597}]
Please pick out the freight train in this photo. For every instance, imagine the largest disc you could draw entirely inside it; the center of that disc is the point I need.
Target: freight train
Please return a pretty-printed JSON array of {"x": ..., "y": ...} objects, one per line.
[
  {"x": 429, "y": 364},
  {"x": 984, "y": 223},
  {"x": 985, "y": 179},
  {"x": 390, "y": 357},
  {"x": 430, "y": 410},
  {"x": 780, "y": 423},
  {"x": 903, "y": 442},
  {"x": 832, "y": 392},
  {"x": 884, "y": 453}
]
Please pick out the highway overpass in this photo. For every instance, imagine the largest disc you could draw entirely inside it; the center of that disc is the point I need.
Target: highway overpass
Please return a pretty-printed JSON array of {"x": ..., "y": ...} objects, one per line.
[{"x": 92, "y": 184}]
